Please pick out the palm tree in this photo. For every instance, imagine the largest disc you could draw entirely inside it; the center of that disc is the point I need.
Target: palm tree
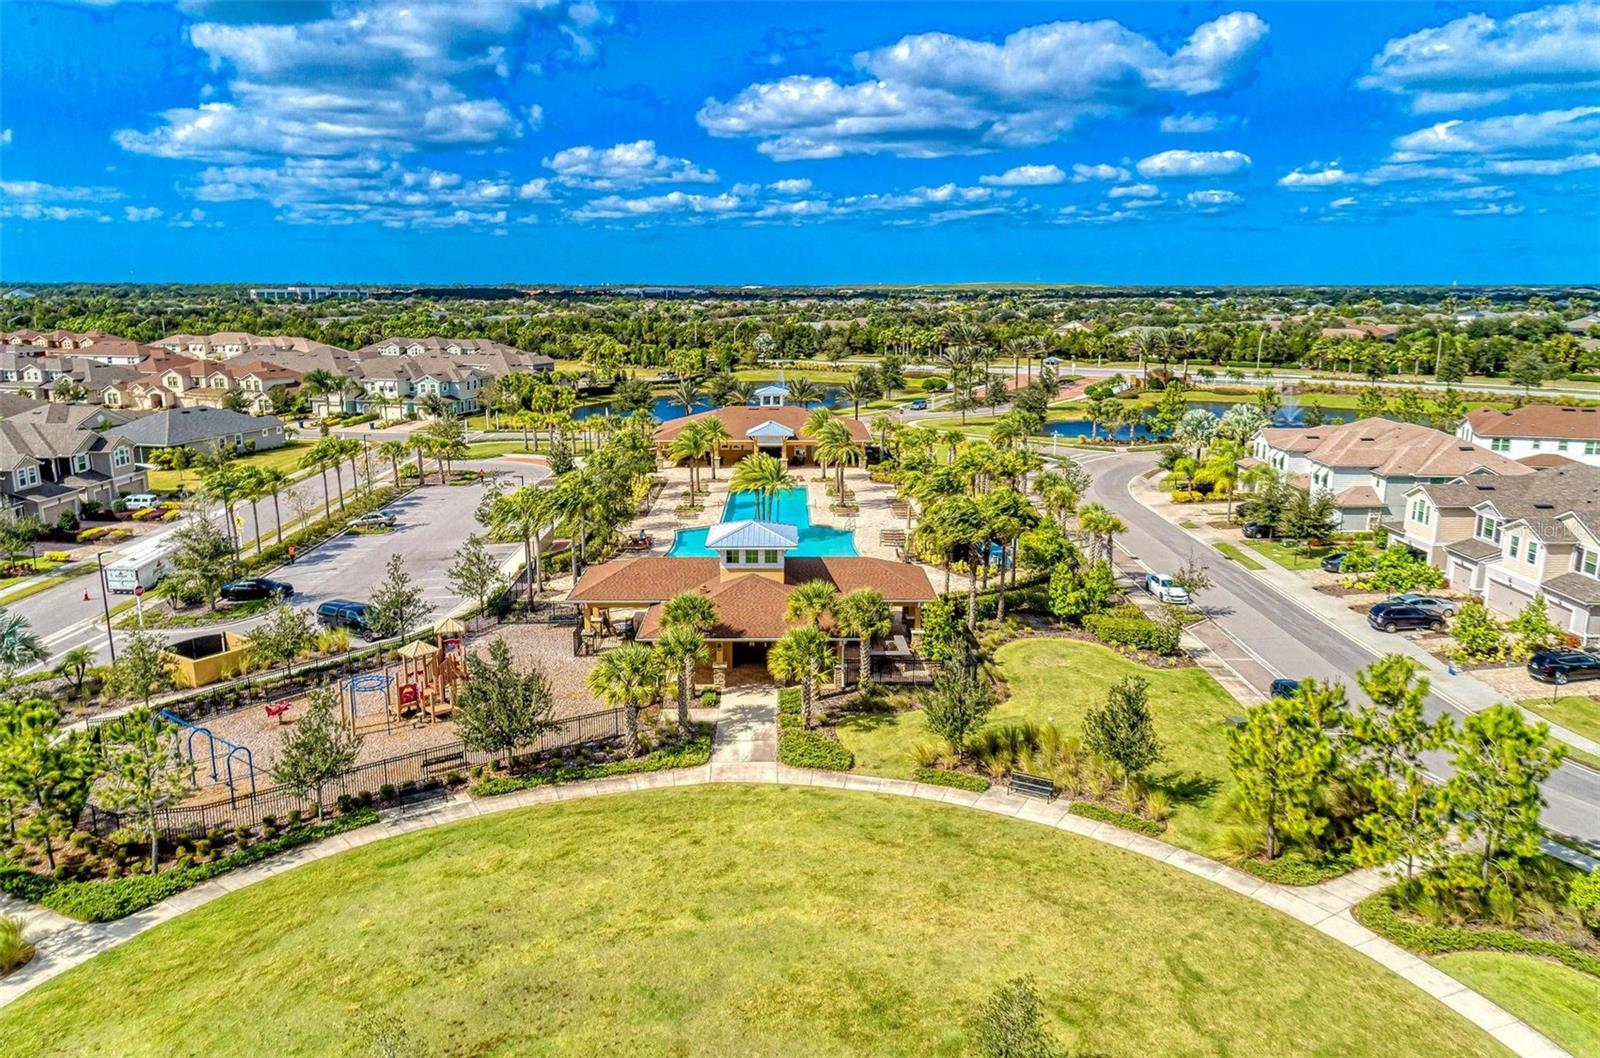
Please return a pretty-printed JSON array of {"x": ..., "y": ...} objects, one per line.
[
  {"x": 1101, "y": 525},
  {"x": 810, "y": 602},
  {"x": 393, "y": 451},
  {"x": 351, "y": 450},
  {"x": 1222, "y": 467},
  {"x": 74, "y": 665},
  {"x": 802, "y": 655},
  {"x": 224, "y": 483},
  {"x": 688, "y": 611},
  {"x": 686, "y": 394},
  {"x": 319, "y": 382},
  {"x": 253, "y": 489},
  {"x": 858, "y": 390},
  {"x": 273, "y": 481},
  {"x": 947, "y": 524},
  {"x": 837, "y": 449},
  {"x": 18, "y": 645},
  {"x": 764, "y": 475},
  {"x": 318, "y": 457},
  {"x": 577, "y": 499},
  {"x": 679, "y": 649},
  {"x": 1007, "y": 516},
  {"x": 863, "y": 614},
  {"x": 716, "y": 432},
  {"x": 1009, "y": 431},
  {"x": 627, "y": 678},
  {"x": 689, "y": 447},
  {"x": 420, "y": 443},
  {"x": 436, "y": 407},
  {"x": 522, "y": 515},
  {"x": 803, "y": 391}
]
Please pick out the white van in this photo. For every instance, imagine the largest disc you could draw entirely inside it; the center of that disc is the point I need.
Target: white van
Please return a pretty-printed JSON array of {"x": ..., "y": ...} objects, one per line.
[{"x": 141, "y": 501}]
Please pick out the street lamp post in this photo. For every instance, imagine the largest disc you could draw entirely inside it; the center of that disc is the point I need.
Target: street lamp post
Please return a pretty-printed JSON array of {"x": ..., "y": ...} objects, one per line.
[{"x": 111, "y": 642}]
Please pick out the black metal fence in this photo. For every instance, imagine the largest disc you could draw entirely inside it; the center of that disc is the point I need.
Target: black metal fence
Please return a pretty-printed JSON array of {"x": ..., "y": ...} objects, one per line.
[{"x": 420, "y": 768}]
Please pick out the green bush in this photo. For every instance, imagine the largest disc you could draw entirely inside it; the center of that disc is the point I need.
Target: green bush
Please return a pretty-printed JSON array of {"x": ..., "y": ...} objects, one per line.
[
  {"x": 958, "y": 779},
  {"x": 106, "y": 901},
  {"x": 708, "y": 699},
  {"x": 1128, "y": 626},
  {"x": 807, "y": 749},
  {"x": 14, "y": 951},
  {"x": 1292, "y": 868},
  {"x": 1125, "y": 820},
  {"x": 689, "y": 753},
  {"x": 934, "y": 385},
  {"x": 1377, "y": 913}
]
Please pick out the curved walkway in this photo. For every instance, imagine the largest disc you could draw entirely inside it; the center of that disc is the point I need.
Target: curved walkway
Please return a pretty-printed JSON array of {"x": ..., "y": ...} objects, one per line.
[{"x": 1325, "y": 908}]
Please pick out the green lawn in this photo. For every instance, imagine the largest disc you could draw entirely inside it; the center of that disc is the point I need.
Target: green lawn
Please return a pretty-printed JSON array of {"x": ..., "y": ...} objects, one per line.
[
  {"x": 1575, "y": 712},
  {"x": 286, "y": 459},
  {"x": 1231, "y": 552},
  {"x": 1056, "y": 681},
  {"x": 1557, "y": 1000},
  {"x": 490, "y": 449},
  {"x": 774, "y": 921},
  {"x": 1290, "y": 557}
]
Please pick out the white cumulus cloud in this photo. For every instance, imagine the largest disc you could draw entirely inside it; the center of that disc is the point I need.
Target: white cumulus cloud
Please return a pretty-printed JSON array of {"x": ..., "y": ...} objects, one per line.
[
  {"x": 624, "y": 166},
  {"x": 1477, "y": 59},
  {"x": 136, "y": 214},
  {"x": 1134, "y": 191},
  {"x": 1578, "y": 127},
  {"x": 1026, "y": 176},
  {"x": 1214, "y": 201},
  {"x": 1082, "y": 174},
  {"x": 935, "y": 94},
  {"x": 1193, "y": 164},
  {"x": 1191, "y": 122}
]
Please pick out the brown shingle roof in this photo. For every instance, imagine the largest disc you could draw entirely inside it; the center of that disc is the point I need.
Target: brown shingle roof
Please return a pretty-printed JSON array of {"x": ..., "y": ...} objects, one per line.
[
  {"x": 739, "y": 420},
  {"x": 1538, "y": 420},
  {"x": 1575, "y": 586},
  {"x": 647, "y": 579},
  {"x": 1392, "y": 449}
]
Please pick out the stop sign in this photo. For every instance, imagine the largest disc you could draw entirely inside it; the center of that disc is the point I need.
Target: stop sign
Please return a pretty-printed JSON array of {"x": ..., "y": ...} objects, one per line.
[{"x": 138, "y": 589}]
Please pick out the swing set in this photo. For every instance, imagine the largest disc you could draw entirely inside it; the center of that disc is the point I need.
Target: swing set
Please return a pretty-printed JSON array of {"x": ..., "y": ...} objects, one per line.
[{"x": 231, "y": 750}]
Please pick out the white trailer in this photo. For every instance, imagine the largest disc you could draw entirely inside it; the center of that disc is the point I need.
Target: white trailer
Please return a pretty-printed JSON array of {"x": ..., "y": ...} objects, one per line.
[{"x": 142, "y": 567}]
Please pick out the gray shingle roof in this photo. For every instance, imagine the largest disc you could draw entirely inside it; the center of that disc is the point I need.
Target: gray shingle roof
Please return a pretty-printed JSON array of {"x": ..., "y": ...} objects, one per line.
[{"x": 181, "y": 426}]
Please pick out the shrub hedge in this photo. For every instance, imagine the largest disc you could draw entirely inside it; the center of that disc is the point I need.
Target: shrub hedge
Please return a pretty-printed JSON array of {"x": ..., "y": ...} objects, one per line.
[
  {"x": 1125, "y": 820},
  {"x": 689, "y": 753},
  {"x": 958, "y": 779},
  {"x": 800, "y": 748},
  {"x": 106, "y": 901},
  {"x": 1378, "y": 914},
  {"x": 1128, "y": 626},
  {"x": 1294, "y": 869}
]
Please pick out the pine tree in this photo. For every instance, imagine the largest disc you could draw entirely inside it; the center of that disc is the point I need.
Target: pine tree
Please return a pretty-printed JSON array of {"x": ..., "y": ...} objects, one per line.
[
  {"x": 1499, "y": 760},
  {"x": 1122, "y": 730},
  {"x": 142, "y": 669},
  {"x": 42, "y": 770},
  {"x": 143, "y": 771},
  {"x": 957, "y": 705},
  {"x": 317, "y": 751},
  {"x": 1280, "y": 758},
  {"x": 476, "y": 574},
  {"x": 283, "y": 636},
  {"x": 501, "y": 707}
]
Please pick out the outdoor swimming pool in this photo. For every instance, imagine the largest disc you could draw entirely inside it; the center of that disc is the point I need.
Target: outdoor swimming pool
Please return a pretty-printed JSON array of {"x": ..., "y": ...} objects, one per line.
[{"x": 816, "y": 541}]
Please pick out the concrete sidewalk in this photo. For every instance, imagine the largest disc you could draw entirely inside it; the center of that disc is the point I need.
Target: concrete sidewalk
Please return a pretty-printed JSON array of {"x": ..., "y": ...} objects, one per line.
[{"x": 747, "y": 728}]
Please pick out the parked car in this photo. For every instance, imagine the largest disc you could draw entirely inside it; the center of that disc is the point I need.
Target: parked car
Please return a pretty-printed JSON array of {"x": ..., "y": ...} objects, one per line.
[
  {"x": 918, "y": 405},
  {"x": 1333, "y": 563},
  {"x": 1257, "y": 531},
  {"x": 252, "y": 588},
  {"x": 1162, "y": 587},
  {"x": 1442, "y": 607},
  {"x": 140, "y": 501},
  {"x": 374, "y": 518},
  {"x": 1283, "y": 687},
  {"x": 667, "y": 376},
  {"x": 344, "y": 613},
  {"x": 1391, "y": 618},
  {"x": 1563, "y": 666}
]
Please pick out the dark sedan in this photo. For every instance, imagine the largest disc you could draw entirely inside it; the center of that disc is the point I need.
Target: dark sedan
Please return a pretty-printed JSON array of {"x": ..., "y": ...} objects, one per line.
[
  {"x": 252, "y": 588},
  {"x": 1257, "y": 531},
  {"x": 1283, "y": 687},
  {"x": 1333, "y": 563},
  {"x": 1389, "y": 618},
  {"x": 1563, "y": 666}
]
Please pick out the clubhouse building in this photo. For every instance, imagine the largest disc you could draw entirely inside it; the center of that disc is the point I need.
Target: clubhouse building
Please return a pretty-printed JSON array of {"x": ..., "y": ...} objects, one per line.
[
  {"x": 750, "y": 580},
  {"x": 769, "y": 426}
]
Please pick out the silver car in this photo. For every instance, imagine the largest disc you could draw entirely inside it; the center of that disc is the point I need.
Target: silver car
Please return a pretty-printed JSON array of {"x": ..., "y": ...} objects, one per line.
[{"x": 1445, "y": 608}]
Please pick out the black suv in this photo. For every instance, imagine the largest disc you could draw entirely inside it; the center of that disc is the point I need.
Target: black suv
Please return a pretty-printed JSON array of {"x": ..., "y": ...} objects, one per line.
[
  {"x": 252, "y": 588},
  {"x": 1562, "y": 666},
  {"x": 343, "y": 613},
  {"x": 1390, "y": 618},
  {"x": 1257, "y": 530}
]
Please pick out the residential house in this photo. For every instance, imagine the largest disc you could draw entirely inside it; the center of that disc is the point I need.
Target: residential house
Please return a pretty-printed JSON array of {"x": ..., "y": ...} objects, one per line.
[
  {"x": 55, "y": 458},
  {"x": 1536, "y": 429},
  {"x": 227, "y": 345},
  {"x": 501, "y": 358},
  {"x": 397, "y": 388},
  {"x": 251, "y": 385},
  {"x": 1510, "y": 538},
  {"x": 204, "y": 429},
  {"x": 92, "y": 345},
  {"x": 1370, "y": 464}
]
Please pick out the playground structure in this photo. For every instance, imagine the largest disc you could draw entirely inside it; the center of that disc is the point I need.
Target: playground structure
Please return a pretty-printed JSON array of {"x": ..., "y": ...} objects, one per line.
[
  {"x": 430, "y": 675},
  {"x": 233, "y": 749}
]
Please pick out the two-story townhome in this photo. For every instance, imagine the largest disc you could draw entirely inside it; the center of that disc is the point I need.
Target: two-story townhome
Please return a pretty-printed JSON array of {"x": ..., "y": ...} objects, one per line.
[
  {"x": 91, "y": 345},
  {"x": 497, "y": 357},
  {"x": 1536, "y": 429},
  {"x": 55, "y": 458},
  {"x": 1508, "y": 539},
  {"x": 229, "y": 345},
  {"x": 396, "y": 388},
  {"x": 1370, "y": 464}
]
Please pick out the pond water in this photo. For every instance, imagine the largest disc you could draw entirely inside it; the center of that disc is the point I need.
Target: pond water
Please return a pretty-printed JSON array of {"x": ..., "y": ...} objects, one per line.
[
  {"x": 665, "y": 409},
  {"x": 1290, "y": 415}
]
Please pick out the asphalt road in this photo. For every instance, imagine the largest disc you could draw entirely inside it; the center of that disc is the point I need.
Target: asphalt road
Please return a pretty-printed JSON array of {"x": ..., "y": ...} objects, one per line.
[
  {"x": 1277, "y": 636},
  {"x": 434, "y": 522}
]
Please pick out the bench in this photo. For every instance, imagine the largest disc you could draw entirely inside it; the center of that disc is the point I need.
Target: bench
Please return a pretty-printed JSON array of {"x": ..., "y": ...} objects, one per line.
[
  {"x": 456, "y": 757},
  {"x": 420, "y": 796},
  {"x": 1031, "y": 785}
]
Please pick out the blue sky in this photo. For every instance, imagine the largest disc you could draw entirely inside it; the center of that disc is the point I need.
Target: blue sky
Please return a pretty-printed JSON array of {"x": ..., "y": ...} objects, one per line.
[{"x": 799, "y": 143}]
